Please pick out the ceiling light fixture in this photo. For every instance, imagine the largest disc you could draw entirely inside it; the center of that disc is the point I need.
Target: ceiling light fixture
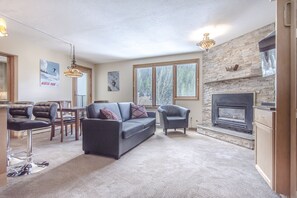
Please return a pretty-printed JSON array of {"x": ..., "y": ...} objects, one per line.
[
  {"x": 206, "y": 43},
  {"x": 72, "y": 71},
  {"x": 3, "y": 30}
]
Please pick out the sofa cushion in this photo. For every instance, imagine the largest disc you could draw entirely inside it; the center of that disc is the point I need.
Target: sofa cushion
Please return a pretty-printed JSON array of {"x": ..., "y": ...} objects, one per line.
[
  {"x": 146, "y": 122},
  {"x": 125, "y": 109},
  {"x": 93, "y": 110},
  {"x": 138, "y": 111},
  {"x": 107, "y": 114},
  {"x": 129, "y": 129},
  {"x": 177, "y": 122}
]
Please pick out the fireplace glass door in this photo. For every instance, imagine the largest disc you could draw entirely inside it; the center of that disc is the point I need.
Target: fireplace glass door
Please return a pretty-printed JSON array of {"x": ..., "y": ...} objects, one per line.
[{"x": 232, "y": 114}]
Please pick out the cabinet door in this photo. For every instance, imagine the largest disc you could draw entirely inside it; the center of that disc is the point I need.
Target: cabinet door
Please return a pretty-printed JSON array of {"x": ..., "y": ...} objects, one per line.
[
  {"x": 3, "y": 138},
  {"x": 265, "y": 153}
]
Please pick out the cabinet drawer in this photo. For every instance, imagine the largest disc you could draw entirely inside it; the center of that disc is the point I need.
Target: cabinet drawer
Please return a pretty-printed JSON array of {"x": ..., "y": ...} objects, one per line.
[{"x": 264, "y": 117}]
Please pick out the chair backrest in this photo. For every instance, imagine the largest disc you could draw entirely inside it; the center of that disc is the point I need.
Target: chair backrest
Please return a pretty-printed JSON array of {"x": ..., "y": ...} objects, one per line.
[
  {"x": 171, "y": 110},
  {"x": 21, "y": 111},
  {"x": 45, "y": 111},
  {"x": 65, "y": 103},
  {"x": 62, "y": 104}
]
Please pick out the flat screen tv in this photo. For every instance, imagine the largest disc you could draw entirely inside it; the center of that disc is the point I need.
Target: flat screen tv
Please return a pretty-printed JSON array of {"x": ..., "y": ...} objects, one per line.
[{"x": 268, "y": 55}]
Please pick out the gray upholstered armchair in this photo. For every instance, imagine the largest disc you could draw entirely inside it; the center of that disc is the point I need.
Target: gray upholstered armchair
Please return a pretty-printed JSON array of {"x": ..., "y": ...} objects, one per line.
[{"x": 173, "y": 117}]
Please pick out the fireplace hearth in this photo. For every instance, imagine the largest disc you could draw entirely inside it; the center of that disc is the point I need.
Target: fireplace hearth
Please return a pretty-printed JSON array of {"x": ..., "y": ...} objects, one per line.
[{"x": 233, "y": 111}]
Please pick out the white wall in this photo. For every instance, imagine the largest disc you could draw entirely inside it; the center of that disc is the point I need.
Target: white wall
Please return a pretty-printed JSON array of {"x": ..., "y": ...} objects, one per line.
[
  {"x": 125, "y": 69},
  {"x": 28, "y": 80}
]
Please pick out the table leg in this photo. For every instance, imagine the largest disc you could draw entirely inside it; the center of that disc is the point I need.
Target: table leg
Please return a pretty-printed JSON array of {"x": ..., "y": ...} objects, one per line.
[{"x": 76, "y": 124}]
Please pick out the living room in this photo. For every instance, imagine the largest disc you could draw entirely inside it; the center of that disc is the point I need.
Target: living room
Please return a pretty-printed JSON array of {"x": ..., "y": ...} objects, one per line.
[{"x": 121, "y": 50}]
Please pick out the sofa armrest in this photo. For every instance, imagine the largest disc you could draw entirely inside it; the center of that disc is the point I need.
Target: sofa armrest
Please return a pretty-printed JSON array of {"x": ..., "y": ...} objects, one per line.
[
  {"x": 162, "y": 111},
  {"x": 151, "y": 114},
  {"x": 102, "y": 136}
]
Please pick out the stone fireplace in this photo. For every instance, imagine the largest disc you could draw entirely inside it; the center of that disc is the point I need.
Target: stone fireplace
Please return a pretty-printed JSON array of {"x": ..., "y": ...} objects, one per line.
[
  {"x": 233, "y": 111},
  {"x": 229, "y": 119}
]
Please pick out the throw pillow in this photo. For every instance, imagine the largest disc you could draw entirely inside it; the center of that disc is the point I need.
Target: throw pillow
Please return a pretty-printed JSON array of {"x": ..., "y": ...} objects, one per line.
[
  {"x": 138, "y": 111},
  {"x": 107, "y": 114}
]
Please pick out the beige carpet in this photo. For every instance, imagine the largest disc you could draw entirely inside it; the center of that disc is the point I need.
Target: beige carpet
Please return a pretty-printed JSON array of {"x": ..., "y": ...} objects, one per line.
[{"x": 176, "y": 165}]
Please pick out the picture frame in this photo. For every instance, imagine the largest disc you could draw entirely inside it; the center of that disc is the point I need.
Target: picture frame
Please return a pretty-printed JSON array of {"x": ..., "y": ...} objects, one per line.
[
  {"x": 49, "y": 73},
  {"x": 113, "y": 81}
]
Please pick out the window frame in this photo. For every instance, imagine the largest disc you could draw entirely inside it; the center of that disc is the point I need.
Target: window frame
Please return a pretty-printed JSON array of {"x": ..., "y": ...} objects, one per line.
[{"x": 174, "y": 65}]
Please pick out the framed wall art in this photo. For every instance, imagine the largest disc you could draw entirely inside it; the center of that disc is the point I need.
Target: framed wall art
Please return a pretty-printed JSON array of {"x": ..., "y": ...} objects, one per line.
[
  {"x": 113, "y": 79},
  {"x": 49, "y": 74}
]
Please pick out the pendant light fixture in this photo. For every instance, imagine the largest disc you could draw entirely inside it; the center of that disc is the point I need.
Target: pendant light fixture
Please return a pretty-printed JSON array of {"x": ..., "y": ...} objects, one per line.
[
  {"x": 3, "y": 30},
  {"x": 72, "y": 71},
  {"x": 206, "y": 43}
]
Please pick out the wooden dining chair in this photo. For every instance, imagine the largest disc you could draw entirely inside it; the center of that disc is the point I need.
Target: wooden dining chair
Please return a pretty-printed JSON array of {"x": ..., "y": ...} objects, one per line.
[{"x": 63, "y": 119}]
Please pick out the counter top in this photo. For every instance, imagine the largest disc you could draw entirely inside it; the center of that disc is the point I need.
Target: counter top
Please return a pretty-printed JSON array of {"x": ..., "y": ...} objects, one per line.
[
  {"x": 267, "y": 108},
  {"x": 4, "y": 106}
]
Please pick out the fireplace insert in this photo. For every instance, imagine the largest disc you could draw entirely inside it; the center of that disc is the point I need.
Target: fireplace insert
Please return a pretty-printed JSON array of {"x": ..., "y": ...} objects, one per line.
[{"x": 233, "y": 111}]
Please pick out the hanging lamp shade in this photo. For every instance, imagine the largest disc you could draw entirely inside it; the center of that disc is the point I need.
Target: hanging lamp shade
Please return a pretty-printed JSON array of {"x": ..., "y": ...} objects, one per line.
[
  {"x": 206, "y": 43},
  {"x": 3, "y": 29},
  {"x": 72, "y": 71}
]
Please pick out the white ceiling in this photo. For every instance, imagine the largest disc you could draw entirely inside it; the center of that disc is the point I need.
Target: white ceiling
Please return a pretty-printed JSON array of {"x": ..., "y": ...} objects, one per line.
[{"x": 114, "y": 30}]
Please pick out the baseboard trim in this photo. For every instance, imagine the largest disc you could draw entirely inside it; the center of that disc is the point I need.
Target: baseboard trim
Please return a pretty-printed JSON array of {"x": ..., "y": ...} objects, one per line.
[{"x": 268, "y": 181}]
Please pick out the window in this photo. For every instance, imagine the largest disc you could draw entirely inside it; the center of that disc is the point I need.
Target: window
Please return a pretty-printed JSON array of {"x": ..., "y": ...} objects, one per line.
[
  {"x": 164, "y": 83},
  {"x": 185, "y": 80},
  {"x": 144, "y": 86}
]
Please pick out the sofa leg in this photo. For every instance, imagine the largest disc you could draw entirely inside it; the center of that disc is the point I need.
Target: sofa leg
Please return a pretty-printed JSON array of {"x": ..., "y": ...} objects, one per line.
[
  {"x": 185, "y": 130},
  {"x": 87, "y": 152},
  {"x": 117, "y": 157},
  {"x": 165, "y": 131}
]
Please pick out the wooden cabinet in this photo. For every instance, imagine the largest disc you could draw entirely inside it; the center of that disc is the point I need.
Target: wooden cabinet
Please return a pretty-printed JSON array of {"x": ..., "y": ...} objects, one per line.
[
  {"x": 265, "y": 148},
  {"x": 3, "y": 136}
]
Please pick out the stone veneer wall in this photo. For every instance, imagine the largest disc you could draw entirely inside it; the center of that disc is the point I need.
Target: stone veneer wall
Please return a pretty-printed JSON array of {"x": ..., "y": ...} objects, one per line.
[{"x": 243, "y": 51}]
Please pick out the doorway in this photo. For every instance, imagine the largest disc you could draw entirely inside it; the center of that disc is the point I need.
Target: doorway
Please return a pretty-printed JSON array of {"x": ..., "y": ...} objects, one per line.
[
  {"x": 7, "y": 83},
  {"x": 82, "y": 88}
]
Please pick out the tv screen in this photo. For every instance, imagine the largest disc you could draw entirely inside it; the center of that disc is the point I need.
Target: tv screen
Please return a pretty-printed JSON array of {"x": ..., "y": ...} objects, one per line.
[
  {"x": 268, "y": 62},
  {"x": 268, "y": 55}
]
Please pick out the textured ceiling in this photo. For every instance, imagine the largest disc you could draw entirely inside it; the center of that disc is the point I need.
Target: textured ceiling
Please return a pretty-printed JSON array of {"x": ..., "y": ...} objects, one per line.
[{"x": 113, "y": 30}]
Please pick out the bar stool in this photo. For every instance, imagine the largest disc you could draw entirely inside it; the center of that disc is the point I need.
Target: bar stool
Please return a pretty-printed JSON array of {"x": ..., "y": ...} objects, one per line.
[
  {"x": 45, "y": 114},
  {"x": 16, "y": 111}
]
